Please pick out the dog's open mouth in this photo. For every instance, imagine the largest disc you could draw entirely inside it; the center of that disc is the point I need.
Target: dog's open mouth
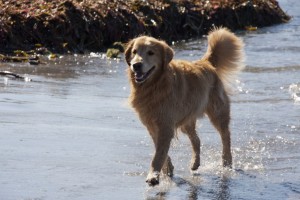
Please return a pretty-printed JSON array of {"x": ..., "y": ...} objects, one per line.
[{"x": 141, "y": 77}]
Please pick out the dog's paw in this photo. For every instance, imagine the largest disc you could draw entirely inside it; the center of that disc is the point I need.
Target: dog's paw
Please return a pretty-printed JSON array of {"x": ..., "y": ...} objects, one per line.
[
  {"x": 227, "y": 164},
  {"x": 195, "y": 164},
  {"x": 153, "y": 179},
  {"x": 227, "y": 161}
]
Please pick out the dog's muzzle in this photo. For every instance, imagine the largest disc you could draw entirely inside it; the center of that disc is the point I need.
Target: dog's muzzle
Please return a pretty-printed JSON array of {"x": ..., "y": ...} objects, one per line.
[{"x": 139, "y": 75}]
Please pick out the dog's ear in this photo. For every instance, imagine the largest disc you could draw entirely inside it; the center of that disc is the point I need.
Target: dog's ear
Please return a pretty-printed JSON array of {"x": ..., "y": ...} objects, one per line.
[
  {"x": 128, "y": 51},
  {"x": 168, "y": 54}
]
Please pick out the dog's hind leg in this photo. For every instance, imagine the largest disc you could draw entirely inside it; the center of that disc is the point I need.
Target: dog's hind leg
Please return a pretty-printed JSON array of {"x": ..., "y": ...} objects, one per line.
[
  {"x": 190, "y": 130},
  {"x": 168, "y": 167},
  {"x": 218, "y": 112}
]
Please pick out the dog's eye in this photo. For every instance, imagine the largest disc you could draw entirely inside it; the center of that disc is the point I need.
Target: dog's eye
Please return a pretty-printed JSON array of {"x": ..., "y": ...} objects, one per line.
[
  {"x": 134, "y": 51},
  {"x": 150, "y": 53}
]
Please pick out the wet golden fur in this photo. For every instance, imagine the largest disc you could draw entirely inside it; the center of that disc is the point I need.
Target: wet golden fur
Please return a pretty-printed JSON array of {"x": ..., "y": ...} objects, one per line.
[{"x": 175, "y": 93}]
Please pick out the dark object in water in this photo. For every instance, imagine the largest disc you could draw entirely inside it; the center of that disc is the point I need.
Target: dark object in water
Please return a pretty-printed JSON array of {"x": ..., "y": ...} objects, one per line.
[{"x": 14, "y": 76}]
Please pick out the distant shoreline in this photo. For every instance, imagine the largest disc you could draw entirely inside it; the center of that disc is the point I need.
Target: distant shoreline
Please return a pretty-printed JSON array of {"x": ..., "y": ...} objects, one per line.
[{"x": 92, "y": 25}]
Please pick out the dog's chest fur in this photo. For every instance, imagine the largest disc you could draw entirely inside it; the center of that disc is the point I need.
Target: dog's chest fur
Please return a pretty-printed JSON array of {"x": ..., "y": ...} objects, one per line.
[{"x": 178, "y": 91}]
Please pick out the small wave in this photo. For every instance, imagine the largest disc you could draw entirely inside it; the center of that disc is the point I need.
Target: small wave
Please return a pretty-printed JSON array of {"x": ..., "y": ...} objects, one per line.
[
  {"x": 292, "y": 186},
  {"x": 292, "y": 49},
  {"x": 258, "y": 69},
  {"x": 294, "y": 90}
]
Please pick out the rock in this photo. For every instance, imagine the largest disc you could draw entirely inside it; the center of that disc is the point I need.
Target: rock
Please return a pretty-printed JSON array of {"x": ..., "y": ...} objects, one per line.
[{"x": 75, "y": 27}]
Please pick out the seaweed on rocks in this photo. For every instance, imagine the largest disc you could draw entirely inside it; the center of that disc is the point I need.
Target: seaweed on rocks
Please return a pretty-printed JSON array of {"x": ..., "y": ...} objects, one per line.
[{"x": 77, "y": 26}]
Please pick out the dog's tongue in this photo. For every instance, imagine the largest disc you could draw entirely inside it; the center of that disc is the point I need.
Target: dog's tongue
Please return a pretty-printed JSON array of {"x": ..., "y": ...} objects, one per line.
[{"x": 139, "y": 75}]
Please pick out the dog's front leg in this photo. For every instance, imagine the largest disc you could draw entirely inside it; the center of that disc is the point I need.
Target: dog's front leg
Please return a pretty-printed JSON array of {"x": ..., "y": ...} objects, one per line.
[{"x": 162, "y": 140}]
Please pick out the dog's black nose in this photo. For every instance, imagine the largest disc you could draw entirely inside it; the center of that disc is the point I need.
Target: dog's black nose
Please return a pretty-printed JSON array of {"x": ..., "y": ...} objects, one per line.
[{"x": 137, "y": 66}]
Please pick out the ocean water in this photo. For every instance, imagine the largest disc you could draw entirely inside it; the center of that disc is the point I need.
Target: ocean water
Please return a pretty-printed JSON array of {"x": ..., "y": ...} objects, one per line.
[{"x": 70, "y": 133}]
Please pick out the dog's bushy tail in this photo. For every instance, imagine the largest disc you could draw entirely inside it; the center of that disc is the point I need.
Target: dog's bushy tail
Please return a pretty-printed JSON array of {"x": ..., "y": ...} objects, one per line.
[{"x": 225, "y": 52}]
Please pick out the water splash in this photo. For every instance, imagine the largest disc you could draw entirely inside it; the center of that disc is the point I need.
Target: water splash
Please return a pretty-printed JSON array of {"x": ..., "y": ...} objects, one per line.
[
  {"x": 97, "y": 55},
  {"x": 5, "y": 81},
  {"x": 294, "y": 90},
  {"x": 239, "y": 87},
  {"x": 27, "y": 79}
]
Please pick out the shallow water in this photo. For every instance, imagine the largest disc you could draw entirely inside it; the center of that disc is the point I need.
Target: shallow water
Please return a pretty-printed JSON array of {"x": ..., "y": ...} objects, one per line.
[{"x": 70, "y": 133}]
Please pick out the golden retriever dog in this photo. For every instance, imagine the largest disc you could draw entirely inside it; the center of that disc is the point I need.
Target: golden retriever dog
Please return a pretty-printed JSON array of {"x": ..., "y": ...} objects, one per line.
[{"x": 172, "y": 94}]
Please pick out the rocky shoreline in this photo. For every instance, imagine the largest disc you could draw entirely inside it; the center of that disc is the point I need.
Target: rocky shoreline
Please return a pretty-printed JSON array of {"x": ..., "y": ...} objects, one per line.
[{"x": 75, "y": 26}]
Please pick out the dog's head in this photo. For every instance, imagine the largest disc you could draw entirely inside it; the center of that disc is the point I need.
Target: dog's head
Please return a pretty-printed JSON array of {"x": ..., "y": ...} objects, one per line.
[{"x": 147, "y": 57}]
